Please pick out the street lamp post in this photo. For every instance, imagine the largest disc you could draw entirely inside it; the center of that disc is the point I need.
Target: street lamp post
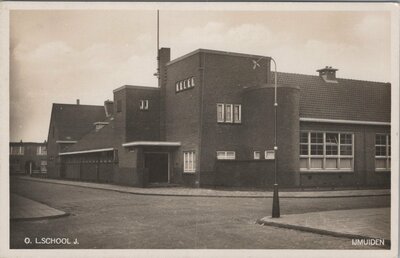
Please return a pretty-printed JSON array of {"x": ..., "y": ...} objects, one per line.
[{"x": 275, "y": 202}]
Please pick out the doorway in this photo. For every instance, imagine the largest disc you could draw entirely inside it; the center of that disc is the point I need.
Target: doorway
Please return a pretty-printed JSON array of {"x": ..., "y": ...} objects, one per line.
[{"x": 157, "y": 164}]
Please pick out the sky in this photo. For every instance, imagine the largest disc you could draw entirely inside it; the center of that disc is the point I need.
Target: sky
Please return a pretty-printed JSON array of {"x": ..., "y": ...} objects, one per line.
[{"x": 58, "y": 56}]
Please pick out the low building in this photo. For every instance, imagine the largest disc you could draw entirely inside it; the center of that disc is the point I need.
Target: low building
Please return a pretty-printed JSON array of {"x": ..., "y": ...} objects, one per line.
[
  {"x": 211, "y": 123},
  {"x": 28, "y": 158}
]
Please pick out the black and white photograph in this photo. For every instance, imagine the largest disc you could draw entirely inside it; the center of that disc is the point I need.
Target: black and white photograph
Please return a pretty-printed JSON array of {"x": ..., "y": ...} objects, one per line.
[{"x": 200, "y": 129}]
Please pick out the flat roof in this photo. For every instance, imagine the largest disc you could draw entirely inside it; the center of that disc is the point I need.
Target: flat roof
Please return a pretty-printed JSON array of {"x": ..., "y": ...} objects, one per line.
[
  {"x": 151, "y": 143},
  {"x": 217, "y": 52},
  {"x": 136, "y": 87}
]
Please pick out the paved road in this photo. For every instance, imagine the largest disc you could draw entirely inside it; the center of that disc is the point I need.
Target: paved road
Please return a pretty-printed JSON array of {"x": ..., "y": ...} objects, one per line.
[{"x": 105, "y": 219}]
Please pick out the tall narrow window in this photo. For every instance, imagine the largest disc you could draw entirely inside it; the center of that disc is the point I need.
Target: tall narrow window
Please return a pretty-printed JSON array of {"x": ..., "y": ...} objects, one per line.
[
  {"x": 382, "y": 152},
  {"x": 228, "y": 113},
  {"x": 192, "y": 79},
  {"x": 237, "y": 113},
  {"x": 189, "y": 161},
  {"x": 257, "y": 155},
  {"x": 220, "y": 113}
]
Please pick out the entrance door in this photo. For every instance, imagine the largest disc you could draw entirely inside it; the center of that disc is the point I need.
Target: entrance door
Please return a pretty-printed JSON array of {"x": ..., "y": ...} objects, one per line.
[{"x": 157, "y": 163}]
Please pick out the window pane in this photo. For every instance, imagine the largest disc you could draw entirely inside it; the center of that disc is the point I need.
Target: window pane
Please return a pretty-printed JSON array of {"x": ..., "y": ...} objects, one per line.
[
  {"x": 331, "y": 149},
  {"x": 317, "y": 138},
  {"x": 345, "y": 163},
  {"x": 331, "y": 163},
  {"x": 192, "y": 81},
  {"x": 346, "y": 150},
  {"x": 304, "y": 137},
  {"x": 380, "y": 150},
  {"x": 303, "y": 163},
  {"x": 380, "y": 163},
  {"x": 316, "y": 163},
  {"x": 346, "y": 139},
  {"x": 380, "y": 139},
  {"x": 237, "y": 113},
  {"x": 228, "y": 113},
  {"x": 220, "y": 113},
  {"x": 317, "y": 150},
  {"x": 303, "y": 149},
  {"x": 332, "y": 138},
  {"x": 257, "y": 155}
]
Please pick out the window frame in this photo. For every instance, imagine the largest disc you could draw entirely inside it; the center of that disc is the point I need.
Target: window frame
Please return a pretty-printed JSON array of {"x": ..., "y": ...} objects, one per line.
[
  {"x": 221, "y": 119},
  {"x": 144, "y": 104},
  {"x": 20, "y": 152},
  {"x": 40, "y": 152},
  {"x": 324, "y": 156},
  {"x": 189, "y": 161},
  {"x": 255, "y": 154},
  {"x": 226, "y": 156},
  {"x": 239, "y": 113},
  {"x": 387, "y": 157}
]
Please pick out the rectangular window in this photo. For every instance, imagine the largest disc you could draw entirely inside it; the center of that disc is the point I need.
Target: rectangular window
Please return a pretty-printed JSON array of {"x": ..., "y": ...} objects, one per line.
[
  {"x": 257, "y": 155},
  {"x": 17, "y": 150},
  {"x": 43, "y": 166},
  {"x": 228, "y": 113},
  {"x": 326, "y": 151},
  {"x": 237, "y": 113},
  {"x": 220, "y": 113},
  {"x": 192, "y": 79},
  {"x": 226, "y": 155},
  {"x": 382, "y": 152},
  {"x": 41, "y": 150},
  {"x": 189, "y": 161},
  {"x": 177, "y": 86},
  {"x": 144, "y": 104}
]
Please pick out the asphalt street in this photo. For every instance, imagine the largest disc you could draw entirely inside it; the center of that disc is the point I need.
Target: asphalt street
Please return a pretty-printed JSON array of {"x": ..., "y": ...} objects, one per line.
[{"x": 106, "y": 219}]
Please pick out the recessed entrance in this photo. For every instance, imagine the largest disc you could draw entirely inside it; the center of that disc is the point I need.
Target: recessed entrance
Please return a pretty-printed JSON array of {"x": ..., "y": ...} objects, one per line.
[{"x": 157, "y": 163}]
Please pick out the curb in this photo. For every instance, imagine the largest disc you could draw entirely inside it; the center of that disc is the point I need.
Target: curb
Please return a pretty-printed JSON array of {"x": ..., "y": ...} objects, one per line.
[
  {"x": 195, "y": 195},
  {"x": 321, "y": 231},
  {"x": 66, "y": 214}
]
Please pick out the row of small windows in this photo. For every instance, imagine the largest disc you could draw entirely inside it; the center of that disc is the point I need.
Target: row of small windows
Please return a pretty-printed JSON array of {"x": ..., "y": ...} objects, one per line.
[
  {"x": 229, "y": 113},
  {"x": 184, "y": 84},
  {"x": 143, "y": 105},
  {"x": 19, "y": 150}
]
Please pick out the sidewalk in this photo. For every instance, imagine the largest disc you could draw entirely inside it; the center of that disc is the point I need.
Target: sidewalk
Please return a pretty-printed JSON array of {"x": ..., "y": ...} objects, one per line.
[
  {"x": 355, "y": 224},
  {"x": 22, "y": 208},
  {"x": 201, "y": 192}
]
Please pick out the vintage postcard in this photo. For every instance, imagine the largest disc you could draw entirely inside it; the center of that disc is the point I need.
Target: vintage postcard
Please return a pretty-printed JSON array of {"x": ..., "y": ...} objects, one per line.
[{"x": 199, "y": 129}]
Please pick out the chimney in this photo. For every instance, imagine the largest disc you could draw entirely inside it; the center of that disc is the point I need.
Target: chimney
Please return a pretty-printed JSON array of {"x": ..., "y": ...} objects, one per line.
[
  {"x": 109, "y": 107},
  {"x": 164, "y": 56},
  {"x": 77, "y": 101},
  {"x": 328, "y": 74}
]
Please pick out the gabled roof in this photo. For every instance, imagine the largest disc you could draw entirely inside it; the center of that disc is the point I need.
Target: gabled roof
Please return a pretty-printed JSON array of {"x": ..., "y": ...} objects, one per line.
[
  {"x": 74, "y": 121},
  {"x": 347, "y": 99},
  {"x": 96, "y": 139}
]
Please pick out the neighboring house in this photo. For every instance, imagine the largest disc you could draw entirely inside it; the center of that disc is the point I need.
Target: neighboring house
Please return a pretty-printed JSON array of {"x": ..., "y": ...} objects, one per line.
[
  {"x": 68, "y": 123},
  {"x": 211, "y": 123},
  {"x": 28, "y": 158}
]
